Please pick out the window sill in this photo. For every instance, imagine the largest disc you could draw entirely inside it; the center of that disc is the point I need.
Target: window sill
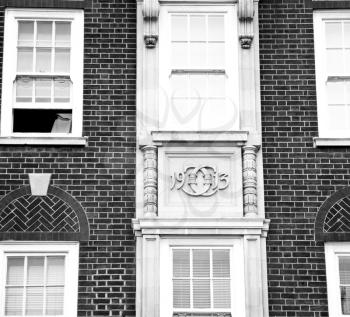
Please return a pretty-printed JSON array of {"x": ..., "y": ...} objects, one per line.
[
  {"x": 200, "y": 136},
  {"x": 319, "y": 142},
  {"x": 20, "y": 140}
]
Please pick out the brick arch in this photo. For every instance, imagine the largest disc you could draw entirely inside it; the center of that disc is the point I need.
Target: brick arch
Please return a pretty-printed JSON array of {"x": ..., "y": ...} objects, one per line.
[
  {"x": 333, "y": 219},
  {"x": 54, "y": 217}
]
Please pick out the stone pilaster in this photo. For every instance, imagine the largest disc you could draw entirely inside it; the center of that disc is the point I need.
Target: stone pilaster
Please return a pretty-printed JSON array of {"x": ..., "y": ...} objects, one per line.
[
  {"x": 150, "y": 11},
  {"x": 245, "y": 16},
  {"x": 250, "y": 205},
  {"x": 150, "y": 180}
]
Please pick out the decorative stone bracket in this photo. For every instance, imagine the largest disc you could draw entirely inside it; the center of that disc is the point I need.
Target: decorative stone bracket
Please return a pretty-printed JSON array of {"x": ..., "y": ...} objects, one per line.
[
  {"x": 246, "y": 16},
  {"x": 150, "y": 11},
  {"x": 150, "y": 180},
  {"x": 250, "y": 205}
]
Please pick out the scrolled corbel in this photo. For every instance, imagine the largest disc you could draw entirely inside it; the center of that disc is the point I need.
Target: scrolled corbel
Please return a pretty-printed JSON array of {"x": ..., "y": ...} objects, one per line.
[
  {"x": 150, "y": 11},
  {"x": 246, "y": 16}
]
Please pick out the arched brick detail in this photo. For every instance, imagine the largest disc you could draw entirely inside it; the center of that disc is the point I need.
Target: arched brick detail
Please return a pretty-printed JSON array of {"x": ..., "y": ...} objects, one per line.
[
  {"x": 54, "y": 217},
  {"x": 333, "y": 219}
]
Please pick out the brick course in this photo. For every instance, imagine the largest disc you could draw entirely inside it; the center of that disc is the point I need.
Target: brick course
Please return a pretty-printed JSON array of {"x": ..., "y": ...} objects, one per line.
[{"x": 100, "y": 176}]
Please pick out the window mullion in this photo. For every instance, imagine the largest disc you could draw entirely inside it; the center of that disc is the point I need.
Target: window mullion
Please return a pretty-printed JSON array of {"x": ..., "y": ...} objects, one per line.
[
  {"x": 211, "y": 278},
  {"x": 44, "y": 285},
  {"x": 191, "y": 278},
  {"x": 24, "y": 299}
]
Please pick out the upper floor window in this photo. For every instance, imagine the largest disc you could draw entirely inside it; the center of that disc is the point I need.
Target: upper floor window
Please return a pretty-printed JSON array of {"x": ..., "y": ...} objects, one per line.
[
  {"x": 198, "y": 68},
  {"x": 43, "y": 72},
  {"x": 332, "y": 51}
]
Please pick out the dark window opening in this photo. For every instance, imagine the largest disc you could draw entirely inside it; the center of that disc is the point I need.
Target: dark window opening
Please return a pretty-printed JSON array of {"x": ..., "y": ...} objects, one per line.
[{"x": 42, "y": 121}]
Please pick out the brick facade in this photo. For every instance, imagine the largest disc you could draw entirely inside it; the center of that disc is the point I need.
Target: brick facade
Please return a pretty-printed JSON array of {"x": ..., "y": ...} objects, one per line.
[
  {"x": 298, "y": 177},
  {"x": 101, "y": 175}
]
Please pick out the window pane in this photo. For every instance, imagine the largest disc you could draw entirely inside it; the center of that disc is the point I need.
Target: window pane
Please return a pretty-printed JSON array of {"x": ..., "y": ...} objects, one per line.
[
  {"x": 334, "y": 35},
  {"x": 15, "y": 271},
  {"x": 216, "y": 87},
  {"x": 62, "y": 34},
  {"x": 335, "y": 61},
  {"x": 181, "y": 263},
  {"x": 62, "y": 60},
  {"x": 198, "y": 55},
  {"x": 197, "y": 28},
  {"x": 62, "y": 90},
  {"x": 55, "y": 270},
  {"x": 221, "y": 263},
  {"x": 43, "y": 90},
  {"x": 13, "y": 301},
  {"x": 201, "y": 294},
  {"x": 344, "y": 269},
  {"x": 44, "y": 34},
  {"x": 198, "y": 86},
  {"x": 216, "y": 30},
  {"x": 210, "y": 118},
  {"x": 216, "y": 55},
  {"x": 221, "y": 293},
  {"x": 179, "y": 84},
  {"x": 25, "y": 33},
  {"x": 43, "y": 60},
  {"x": 24, "y": 90},
  {"x": 201, "y": 263},
  {"x": 179, "y": 55},
  {"x": 25, "y": 60},
  {"x": 34, "y": 301},
  {"x": 347, "y": 64},
  {"x": 35, "y": 271},
  {"x": 181, "y": 294},
  {"x": 338, "y": 117},
  {"x": 347, "y": 34},
  {"x": 335, "y": 93},
  {"x": 54, "y": 300},
  {"x": 178, "y": 27}
]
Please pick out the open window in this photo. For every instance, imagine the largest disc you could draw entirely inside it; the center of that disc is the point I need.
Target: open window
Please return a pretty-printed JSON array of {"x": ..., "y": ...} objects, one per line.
[{"x": 43, "y": 72}]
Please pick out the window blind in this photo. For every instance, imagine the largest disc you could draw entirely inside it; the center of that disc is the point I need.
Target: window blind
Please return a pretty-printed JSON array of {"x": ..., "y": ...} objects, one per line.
[
  {"x": 201, "y": 279},
  {"x": 34, "y": 285}
]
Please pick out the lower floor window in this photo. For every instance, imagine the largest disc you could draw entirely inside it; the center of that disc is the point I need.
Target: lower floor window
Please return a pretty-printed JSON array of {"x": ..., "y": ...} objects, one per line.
[
  {"x": 338, "y": 278},
  {"x": 39, "y": 280},
  {"x": 203, "y": 280}
]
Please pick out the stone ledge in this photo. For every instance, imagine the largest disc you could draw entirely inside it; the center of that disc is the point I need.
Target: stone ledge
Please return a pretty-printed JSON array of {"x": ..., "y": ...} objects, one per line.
[
  {"x": 201, "y": 226},
  {"x": 318, "y": 142},
  {"x": 239, "y": 137},
  {"x": 19, "y": 140}
]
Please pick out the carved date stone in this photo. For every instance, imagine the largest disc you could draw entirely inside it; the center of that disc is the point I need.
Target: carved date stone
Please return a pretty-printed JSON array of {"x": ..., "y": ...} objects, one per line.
[{"x": 198, "y": 181}]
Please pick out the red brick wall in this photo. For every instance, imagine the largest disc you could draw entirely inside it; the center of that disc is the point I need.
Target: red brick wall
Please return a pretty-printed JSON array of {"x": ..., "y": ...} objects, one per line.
[{"x": 100, "y": 176}]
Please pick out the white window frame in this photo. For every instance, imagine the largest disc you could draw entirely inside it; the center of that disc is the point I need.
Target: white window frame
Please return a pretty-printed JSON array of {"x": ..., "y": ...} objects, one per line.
[
  {"x": 332, "y": 252},
  {"x": 10, "y": 63},
  {"x": 237, "y": 272},
  {"x": 231, "y": 69},
  {"x": 320, "y": 17},
  {"x": 71, "y": 252}
]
